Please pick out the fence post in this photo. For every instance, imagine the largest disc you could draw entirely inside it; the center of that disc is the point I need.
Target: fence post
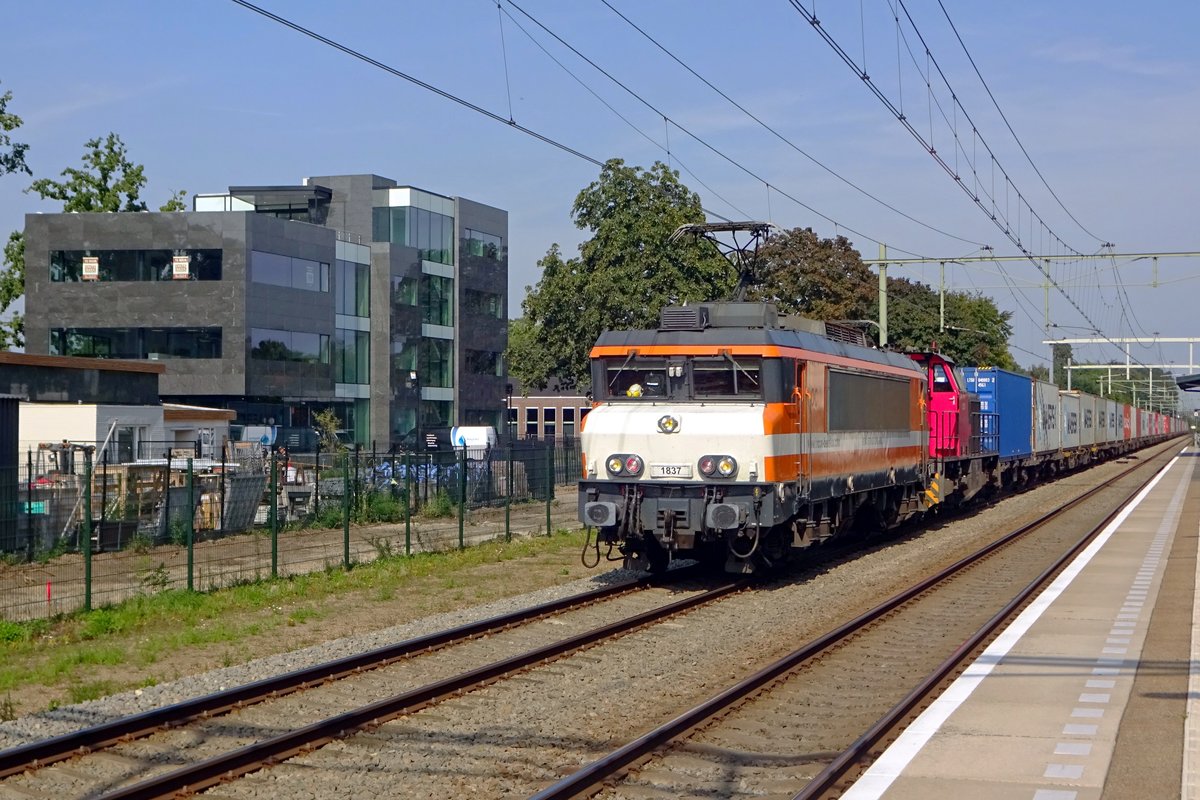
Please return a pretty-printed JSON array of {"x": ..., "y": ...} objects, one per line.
[
  {"x": 549, "y": 483},
  {"x": 29, "y": 547},
  {"x": 167, "y": 499},
  {"x": 85, "y": 525},
  {"x": 316, "y": 507},
  {"x": 346, "y": 514},
  {"x": 508, "y": 492},
  {"x": 408, "y": 503},
  {"x": 358, "y": 486},
  {"x": 224, "y": 473},
  {"x": 274, "y": 517},
  {"x": 191, "y": 527},
  {"x": 462, "y": 494}
]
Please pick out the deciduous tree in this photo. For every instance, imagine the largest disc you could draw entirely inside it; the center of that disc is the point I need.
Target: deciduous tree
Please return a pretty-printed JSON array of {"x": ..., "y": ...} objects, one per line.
[
  {"x": 625, "y": 273},
  {"x": 107, "y": 181},
  {"x": 822, "y": 279}
]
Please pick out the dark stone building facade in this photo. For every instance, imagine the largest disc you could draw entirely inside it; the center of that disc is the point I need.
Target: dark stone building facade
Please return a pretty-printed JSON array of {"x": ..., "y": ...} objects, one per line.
[{"x": 385, "y": 303}]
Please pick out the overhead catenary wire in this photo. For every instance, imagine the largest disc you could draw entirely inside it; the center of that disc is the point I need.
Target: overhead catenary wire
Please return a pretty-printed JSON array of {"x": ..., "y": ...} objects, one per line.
[
  {"x": 695, "y": 137},
  {"x": 1016, "y": 138},
  {"x": 666, "y": 146},
  {"x": 780, "y": 136},
  {"x": 897, "y": 112}
]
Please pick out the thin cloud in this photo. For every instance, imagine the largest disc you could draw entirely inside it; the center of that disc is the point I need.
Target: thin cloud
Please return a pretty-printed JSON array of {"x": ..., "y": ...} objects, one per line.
[
  {"x": 89, "y": 97},
  {"x": 1118, "y": 58}
]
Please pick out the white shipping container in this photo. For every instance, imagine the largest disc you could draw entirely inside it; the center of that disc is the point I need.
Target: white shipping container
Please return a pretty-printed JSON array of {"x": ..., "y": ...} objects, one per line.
[
  {"x": 1088, "y": 432},
  {"x": 1069, "y": 415},
  {"x": 1047, "y": 433}
]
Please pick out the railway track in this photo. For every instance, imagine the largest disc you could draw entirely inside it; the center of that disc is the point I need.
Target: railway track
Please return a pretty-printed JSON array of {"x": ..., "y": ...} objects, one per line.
[
  {"x": 407, "y": 756},
  {"x": 218, "y": 736},
  {"x": 805, "y": 724}
]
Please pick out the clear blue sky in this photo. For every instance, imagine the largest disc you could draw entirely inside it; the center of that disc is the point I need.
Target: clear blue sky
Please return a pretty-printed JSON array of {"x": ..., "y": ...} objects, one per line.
[{"x": 1104, "y": 95}]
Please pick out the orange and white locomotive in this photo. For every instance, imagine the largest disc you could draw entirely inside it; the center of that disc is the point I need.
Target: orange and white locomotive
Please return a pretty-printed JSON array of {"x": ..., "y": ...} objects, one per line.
[{"x": 735, "y": 436}]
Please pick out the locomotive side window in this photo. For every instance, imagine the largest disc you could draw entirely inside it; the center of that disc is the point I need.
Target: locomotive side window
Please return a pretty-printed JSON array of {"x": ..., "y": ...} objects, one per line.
[{"x": 859, "y": 402}]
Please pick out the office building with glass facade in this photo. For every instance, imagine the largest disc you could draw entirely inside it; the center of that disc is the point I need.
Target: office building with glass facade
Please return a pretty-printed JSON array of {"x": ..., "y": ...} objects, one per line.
[{"x": 383, "y": 302}]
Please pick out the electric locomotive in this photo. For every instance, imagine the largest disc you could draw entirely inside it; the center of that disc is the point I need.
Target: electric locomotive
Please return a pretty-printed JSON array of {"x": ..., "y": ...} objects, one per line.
[{"x": 735, "y": 436}]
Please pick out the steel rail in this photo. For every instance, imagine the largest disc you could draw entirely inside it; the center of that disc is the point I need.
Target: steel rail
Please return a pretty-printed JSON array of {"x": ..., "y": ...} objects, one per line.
[
  {"x": 858, "y": 750},
  {"x": 36, "y": 755},
  {"x": 586, "y": 780},
  {"x": 238, "y": 762}
]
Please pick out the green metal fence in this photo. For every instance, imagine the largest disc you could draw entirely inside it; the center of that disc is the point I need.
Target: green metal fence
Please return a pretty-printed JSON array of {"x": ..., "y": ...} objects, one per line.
[{"x": 199, "y": 524}]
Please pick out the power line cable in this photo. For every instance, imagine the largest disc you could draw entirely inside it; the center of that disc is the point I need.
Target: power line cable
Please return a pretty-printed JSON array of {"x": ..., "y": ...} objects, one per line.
[
  {"x": 623, "y": 118},
  {"x": 897, "y": 112},
  {"x": 428, "y": 86},
  {"x": 716, "y": 151},
  {"x": 1010, "y": 127},
  {"x": 780, "y": 136}
]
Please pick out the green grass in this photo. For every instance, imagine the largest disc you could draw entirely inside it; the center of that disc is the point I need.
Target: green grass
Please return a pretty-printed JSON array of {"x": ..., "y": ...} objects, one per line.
[{"x": 61, "y": 652}]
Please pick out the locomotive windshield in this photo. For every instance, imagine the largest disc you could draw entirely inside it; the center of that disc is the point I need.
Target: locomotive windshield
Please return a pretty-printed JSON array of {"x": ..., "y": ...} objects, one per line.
[{"x": 680, "y": 378}]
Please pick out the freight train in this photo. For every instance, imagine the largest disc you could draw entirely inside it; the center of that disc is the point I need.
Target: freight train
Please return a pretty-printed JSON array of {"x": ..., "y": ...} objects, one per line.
[{"x": 738, "y": 437}]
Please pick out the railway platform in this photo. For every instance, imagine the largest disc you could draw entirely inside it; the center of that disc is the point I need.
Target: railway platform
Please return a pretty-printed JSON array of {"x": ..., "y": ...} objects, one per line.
[{"x": 1093, "y": 691}]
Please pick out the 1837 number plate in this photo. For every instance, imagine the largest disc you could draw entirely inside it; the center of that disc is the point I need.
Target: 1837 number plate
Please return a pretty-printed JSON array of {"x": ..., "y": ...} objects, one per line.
[{"x": 670, "y": 470}]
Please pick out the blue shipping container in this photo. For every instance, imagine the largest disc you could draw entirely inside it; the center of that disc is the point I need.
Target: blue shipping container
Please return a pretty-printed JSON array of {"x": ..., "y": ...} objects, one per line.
[{"x": 1006, "y": 401}]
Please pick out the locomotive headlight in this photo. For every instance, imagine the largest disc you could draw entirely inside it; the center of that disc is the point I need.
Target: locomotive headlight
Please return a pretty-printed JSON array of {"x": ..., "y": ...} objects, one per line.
[
  {"x": 624, "y": 464},
  {"x": 717, "y": 466},
  {"x": 668, "y": 423}
]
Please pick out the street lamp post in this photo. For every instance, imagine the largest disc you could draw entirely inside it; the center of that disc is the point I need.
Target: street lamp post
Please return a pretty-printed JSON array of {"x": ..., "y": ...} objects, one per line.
[
  {"x": 508, "y": 422},
  {"x": 414, "y": 382}
]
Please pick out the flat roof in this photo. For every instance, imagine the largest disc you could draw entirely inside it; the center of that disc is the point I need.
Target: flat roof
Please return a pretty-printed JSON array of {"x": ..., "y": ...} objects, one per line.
[
  {"x": 80, "y": 362},
  {"x": 280, "y": 195},
  {"x": 1189, "y": 383}
]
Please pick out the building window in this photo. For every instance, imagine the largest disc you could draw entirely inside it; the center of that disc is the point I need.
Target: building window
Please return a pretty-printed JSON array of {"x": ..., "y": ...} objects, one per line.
[
  {"x": 352, "y": 289},
  {"x": 296, "y": 273},
  {"x": 437, "y": 363},
  {"x": 136, "y": 343},
  {"x": 485, "y": 303},
  {"x": 568, "y": 422},
  {"x": 483, "y": 362},
  {"x": 405, "y": 291},
  {"x": 531, "y": 422},
  {"x": 437, "y": 300},
  {"x": 549, "y": 415},
  {"x": 269, "y": 344},
  {"x": 67, "y": 266},
  {"x": 484, "y": 245},
  {"x": 431, "y": 233},
  {"x": 351, "y": 356}
]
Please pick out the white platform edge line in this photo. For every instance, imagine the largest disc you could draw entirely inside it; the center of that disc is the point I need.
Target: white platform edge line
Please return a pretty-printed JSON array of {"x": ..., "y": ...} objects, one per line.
[
  {"x": 1189, "y": 788},
  {"x": 880, "y": 775}
]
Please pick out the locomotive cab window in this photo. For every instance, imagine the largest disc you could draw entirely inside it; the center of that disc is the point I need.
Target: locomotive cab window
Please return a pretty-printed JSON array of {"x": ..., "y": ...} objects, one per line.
[
  {"x": 727, "y": 377},
  {"x": 636, "y": 379},
  {"x": 941, "y": 379}
]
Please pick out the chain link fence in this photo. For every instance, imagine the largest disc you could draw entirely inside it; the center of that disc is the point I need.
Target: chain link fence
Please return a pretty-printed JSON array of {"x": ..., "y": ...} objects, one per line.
[{"x": 200, "y": 524}]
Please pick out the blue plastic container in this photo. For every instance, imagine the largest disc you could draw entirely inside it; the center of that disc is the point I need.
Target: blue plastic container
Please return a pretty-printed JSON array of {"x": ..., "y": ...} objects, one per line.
[{"x": 1006, "y": 402}]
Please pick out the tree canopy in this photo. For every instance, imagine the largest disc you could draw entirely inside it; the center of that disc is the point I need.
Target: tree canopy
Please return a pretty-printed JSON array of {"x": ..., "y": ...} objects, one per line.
[
  {"x": 623, "y": 275},
  {"x": 628, "y": 270},
  {"x": 107, "y": 181},
  {"x": 12, "y": 154},
  {"x": 818, "y": 278}
]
